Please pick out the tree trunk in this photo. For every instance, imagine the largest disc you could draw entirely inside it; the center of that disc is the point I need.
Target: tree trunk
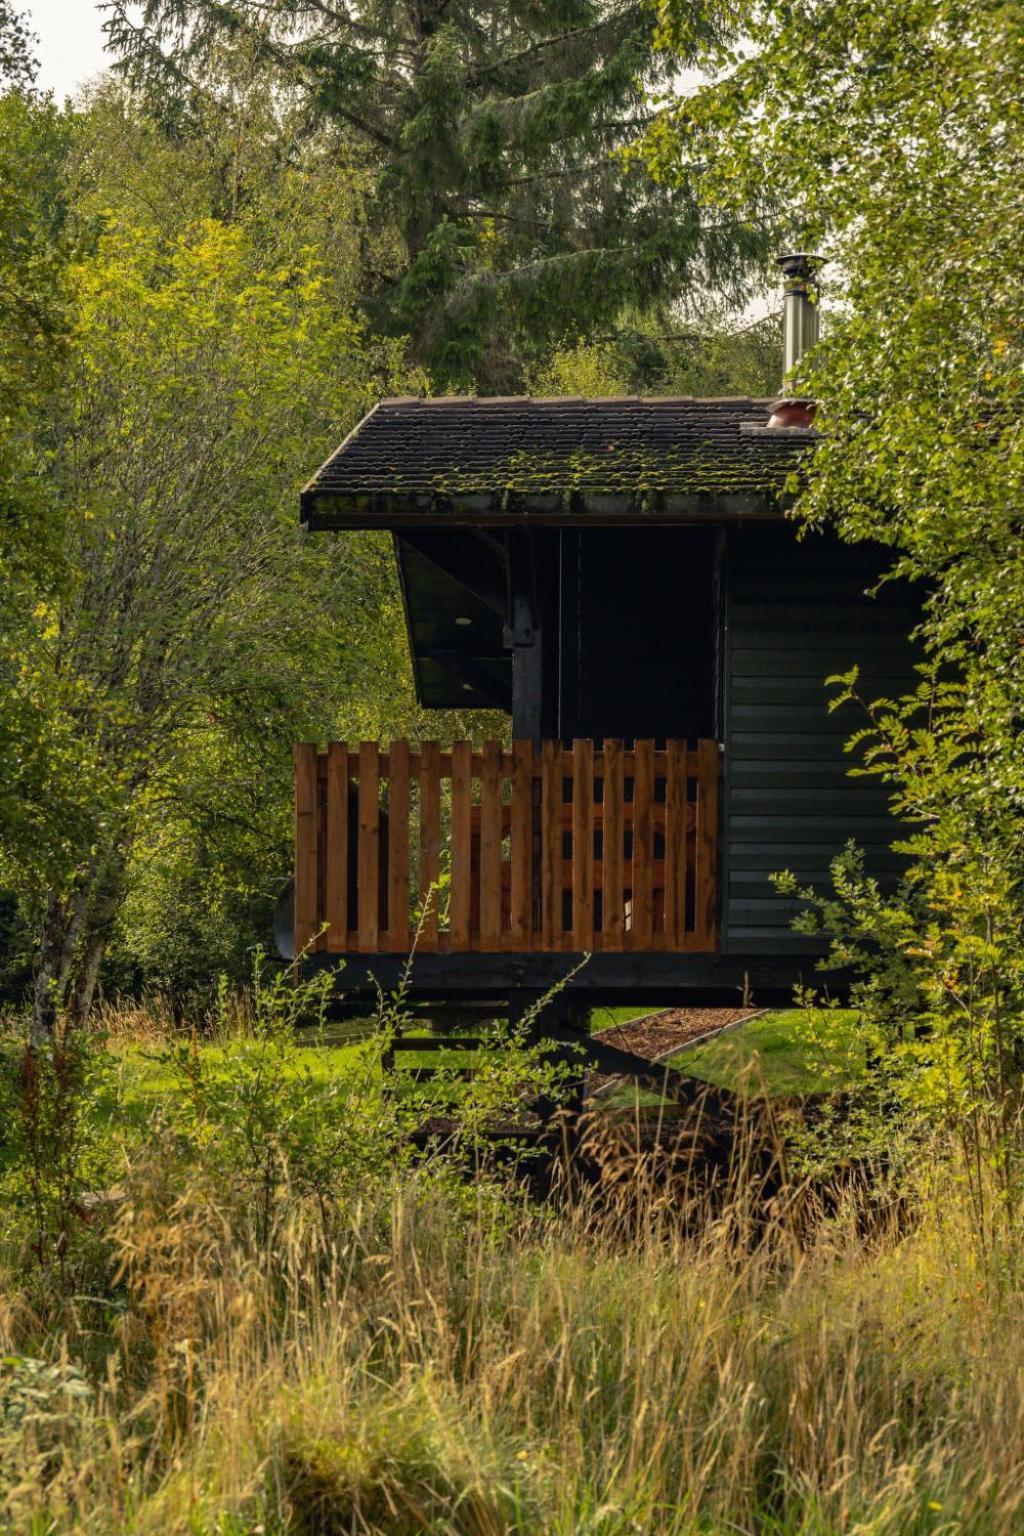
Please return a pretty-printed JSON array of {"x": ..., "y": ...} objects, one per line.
[
  {"x": 103, "y": 909},
  {"x": 72, "y": 941},
  {"x": 58, "y": 939}
]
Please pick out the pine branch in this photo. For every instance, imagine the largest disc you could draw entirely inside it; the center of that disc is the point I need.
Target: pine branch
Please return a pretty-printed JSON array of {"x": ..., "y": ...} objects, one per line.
[{"x": 497, "y": 67}]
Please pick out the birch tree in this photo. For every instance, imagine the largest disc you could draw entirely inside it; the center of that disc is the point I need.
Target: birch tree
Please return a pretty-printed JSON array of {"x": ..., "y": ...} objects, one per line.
[{"x": 200, "y": 386}]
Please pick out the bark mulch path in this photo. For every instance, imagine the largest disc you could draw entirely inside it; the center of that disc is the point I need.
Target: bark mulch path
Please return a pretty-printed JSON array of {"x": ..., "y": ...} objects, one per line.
[{"x": 658, "y": 1035}]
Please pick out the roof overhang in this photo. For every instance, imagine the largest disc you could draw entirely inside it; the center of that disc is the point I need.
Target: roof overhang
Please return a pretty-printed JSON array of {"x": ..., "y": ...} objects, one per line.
[
  {"x": 478, "y": 463},
  {"x": 454, "y": 591},
  {"x": 339, "y": 510}
]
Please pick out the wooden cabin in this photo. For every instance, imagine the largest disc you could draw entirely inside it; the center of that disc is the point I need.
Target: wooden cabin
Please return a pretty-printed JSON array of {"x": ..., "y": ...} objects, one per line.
[{"x": 618, "y": 579}]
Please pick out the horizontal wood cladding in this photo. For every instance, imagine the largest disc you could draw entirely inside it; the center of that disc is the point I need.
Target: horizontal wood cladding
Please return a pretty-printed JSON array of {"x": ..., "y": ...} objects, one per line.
[{"x": 797, "y": 613}]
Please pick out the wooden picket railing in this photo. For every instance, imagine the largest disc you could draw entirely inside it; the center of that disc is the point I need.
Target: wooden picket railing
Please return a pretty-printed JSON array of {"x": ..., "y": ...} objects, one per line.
[{"x": 594, "y": 847}]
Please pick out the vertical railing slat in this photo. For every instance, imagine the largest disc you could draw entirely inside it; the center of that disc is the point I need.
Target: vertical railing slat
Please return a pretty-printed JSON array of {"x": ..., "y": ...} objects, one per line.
[
  {"x": 583, "y": 844},
  {"x": 430, "y": 841},
  {"x": 462, "y": 846},
  {"x": 643, "y": 844},
  {"x": 398, "y": 846},
  {"x": 675, "y": 846},
  {"x": 551, "y": 845},
  {"x": 628, "y": 773},
  {"x": 522, "y": 846},
  {"x": 306, "y": 818},
  {"x": 490, "y": 846},
  {"x": 705, "y": 924},
  {"x": 336, "y": 854},
  {"x": 368, "y": 858},
  {"x": 613, "y": 921}
]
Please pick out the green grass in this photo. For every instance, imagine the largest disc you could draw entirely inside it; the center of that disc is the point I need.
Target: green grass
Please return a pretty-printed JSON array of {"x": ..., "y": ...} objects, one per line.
[
  {"x": 784, "y": 1051},
  {"x": 781, "y": 1052},
  {"x": 142, "y": 1080},
  {"x": 144, "y": 1076},
  {"x": 608, "y": 1018}
]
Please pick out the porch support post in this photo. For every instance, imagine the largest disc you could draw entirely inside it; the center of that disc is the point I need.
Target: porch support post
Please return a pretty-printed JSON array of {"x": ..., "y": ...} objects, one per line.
[
  {"x": 526, "y": 638},
  {"x": 566, "y": 1021}
]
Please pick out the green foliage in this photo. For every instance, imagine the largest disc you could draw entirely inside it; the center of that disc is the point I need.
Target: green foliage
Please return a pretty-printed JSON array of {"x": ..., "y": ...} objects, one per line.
[
  {"x": 177, "y": 636},
  {"x": 493, "y": 132},
  {"x": 17, "y": 64},
  {"x": 187, "y": 609},
  {"x": 892, "y": 141},
  {"x": 43, "y": 1408},
  {"x": 246, "y": 1109},
  {"x": 652, "y": 356},
  {"x": 57, "y": 1157},
  {"x": 33, "y": 324},
  {"x": 260, "y": 1124},
  {"x": 244, "y": 160}
]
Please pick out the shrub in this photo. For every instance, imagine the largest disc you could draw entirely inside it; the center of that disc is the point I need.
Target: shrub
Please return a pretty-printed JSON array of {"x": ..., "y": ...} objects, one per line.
[{"x": 58, "y": 1100}]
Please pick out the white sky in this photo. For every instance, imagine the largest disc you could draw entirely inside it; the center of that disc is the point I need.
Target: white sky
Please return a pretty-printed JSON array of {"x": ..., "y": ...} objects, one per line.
[{"x": 70, "y": 46}]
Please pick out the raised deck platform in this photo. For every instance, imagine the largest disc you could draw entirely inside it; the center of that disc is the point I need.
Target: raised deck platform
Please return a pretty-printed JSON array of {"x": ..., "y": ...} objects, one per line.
[{"x": 655, "y": 979}]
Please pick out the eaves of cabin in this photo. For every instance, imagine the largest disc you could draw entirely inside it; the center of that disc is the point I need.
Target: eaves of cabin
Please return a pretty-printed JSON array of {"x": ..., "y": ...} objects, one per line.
[{"x": 513, "y": 462}]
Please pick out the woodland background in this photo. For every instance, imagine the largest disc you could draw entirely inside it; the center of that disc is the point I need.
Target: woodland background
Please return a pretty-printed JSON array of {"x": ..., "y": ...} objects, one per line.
[
  {"x": 269, "y": 215},
  {"x": 213, "y": 264}
]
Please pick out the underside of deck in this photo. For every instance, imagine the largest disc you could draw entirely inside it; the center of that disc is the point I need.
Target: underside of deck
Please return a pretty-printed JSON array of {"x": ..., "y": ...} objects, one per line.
[{"x": 657, "y": 980}]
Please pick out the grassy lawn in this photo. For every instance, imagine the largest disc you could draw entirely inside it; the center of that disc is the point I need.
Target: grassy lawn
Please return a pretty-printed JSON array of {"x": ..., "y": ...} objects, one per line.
[
  {"x": 142, "y": 1080},
  {"x": 607, "y": 1018},
  {"x": 144, "y": 1076},
  {"x": 780, "y": 1052}
]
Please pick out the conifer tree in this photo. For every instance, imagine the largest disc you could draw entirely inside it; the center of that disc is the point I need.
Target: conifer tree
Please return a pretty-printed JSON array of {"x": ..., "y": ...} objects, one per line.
[
  {"x": 17, "y": 62},
  {"x": 495, "y": 127}
]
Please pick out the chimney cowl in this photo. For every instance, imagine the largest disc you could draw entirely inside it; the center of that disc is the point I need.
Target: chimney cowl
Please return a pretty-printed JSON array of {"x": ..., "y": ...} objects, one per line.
[{"x": 800, "y": 329}]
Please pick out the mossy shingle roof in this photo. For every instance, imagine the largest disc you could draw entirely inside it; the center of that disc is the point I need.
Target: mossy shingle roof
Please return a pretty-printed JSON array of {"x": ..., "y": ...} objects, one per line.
[{"x": 517, "y": 459}]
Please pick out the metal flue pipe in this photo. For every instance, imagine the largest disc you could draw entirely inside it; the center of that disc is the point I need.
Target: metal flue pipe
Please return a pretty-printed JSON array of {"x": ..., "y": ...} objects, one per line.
[{"x": 800, "y": 330}]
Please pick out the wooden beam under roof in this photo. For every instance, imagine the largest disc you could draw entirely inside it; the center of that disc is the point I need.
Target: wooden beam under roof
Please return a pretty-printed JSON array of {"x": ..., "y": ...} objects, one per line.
[
  {"x": 474, "y": 674},
  {"x": 474, "y": 562}
]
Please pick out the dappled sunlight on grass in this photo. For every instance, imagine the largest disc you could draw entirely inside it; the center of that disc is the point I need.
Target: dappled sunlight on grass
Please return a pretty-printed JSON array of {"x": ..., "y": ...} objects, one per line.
[{"x": 784, "y": 1051}]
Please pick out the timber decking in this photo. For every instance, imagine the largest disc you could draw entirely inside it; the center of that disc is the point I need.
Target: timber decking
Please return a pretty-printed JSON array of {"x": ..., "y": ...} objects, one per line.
[{"x": 594, "y": 847}]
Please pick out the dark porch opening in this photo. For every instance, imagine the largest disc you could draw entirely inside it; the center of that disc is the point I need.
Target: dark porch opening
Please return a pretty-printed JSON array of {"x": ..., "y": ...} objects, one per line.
[{"x": 638, "y": 633}]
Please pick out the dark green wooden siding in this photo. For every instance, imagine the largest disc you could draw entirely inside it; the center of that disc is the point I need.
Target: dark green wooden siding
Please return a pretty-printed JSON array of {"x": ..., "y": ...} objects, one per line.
[{"x": 795, "y": 613}]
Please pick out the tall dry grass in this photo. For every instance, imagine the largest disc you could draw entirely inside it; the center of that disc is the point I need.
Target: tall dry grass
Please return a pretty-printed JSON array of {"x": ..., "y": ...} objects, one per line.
[
  {"x": 153, "y": 1020},
  {"x": 444, "y": 1365}
]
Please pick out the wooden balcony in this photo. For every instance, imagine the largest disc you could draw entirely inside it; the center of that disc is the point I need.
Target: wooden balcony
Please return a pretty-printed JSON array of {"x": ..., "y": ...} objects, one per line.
[{"x": 533, "y": 850}]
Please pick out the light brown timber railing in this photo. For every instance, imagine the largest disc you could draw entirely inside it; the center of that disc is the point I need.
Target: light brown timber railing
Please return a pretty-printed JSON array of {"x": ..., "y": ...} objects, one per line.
[{"x": 595, "y": 847}]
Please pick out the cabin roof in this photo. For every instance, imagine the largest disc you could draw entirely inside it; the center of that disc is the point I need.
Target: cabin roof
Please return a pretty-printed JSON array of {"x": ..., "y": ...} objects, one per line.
[{"x": 476, "y": 461}]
